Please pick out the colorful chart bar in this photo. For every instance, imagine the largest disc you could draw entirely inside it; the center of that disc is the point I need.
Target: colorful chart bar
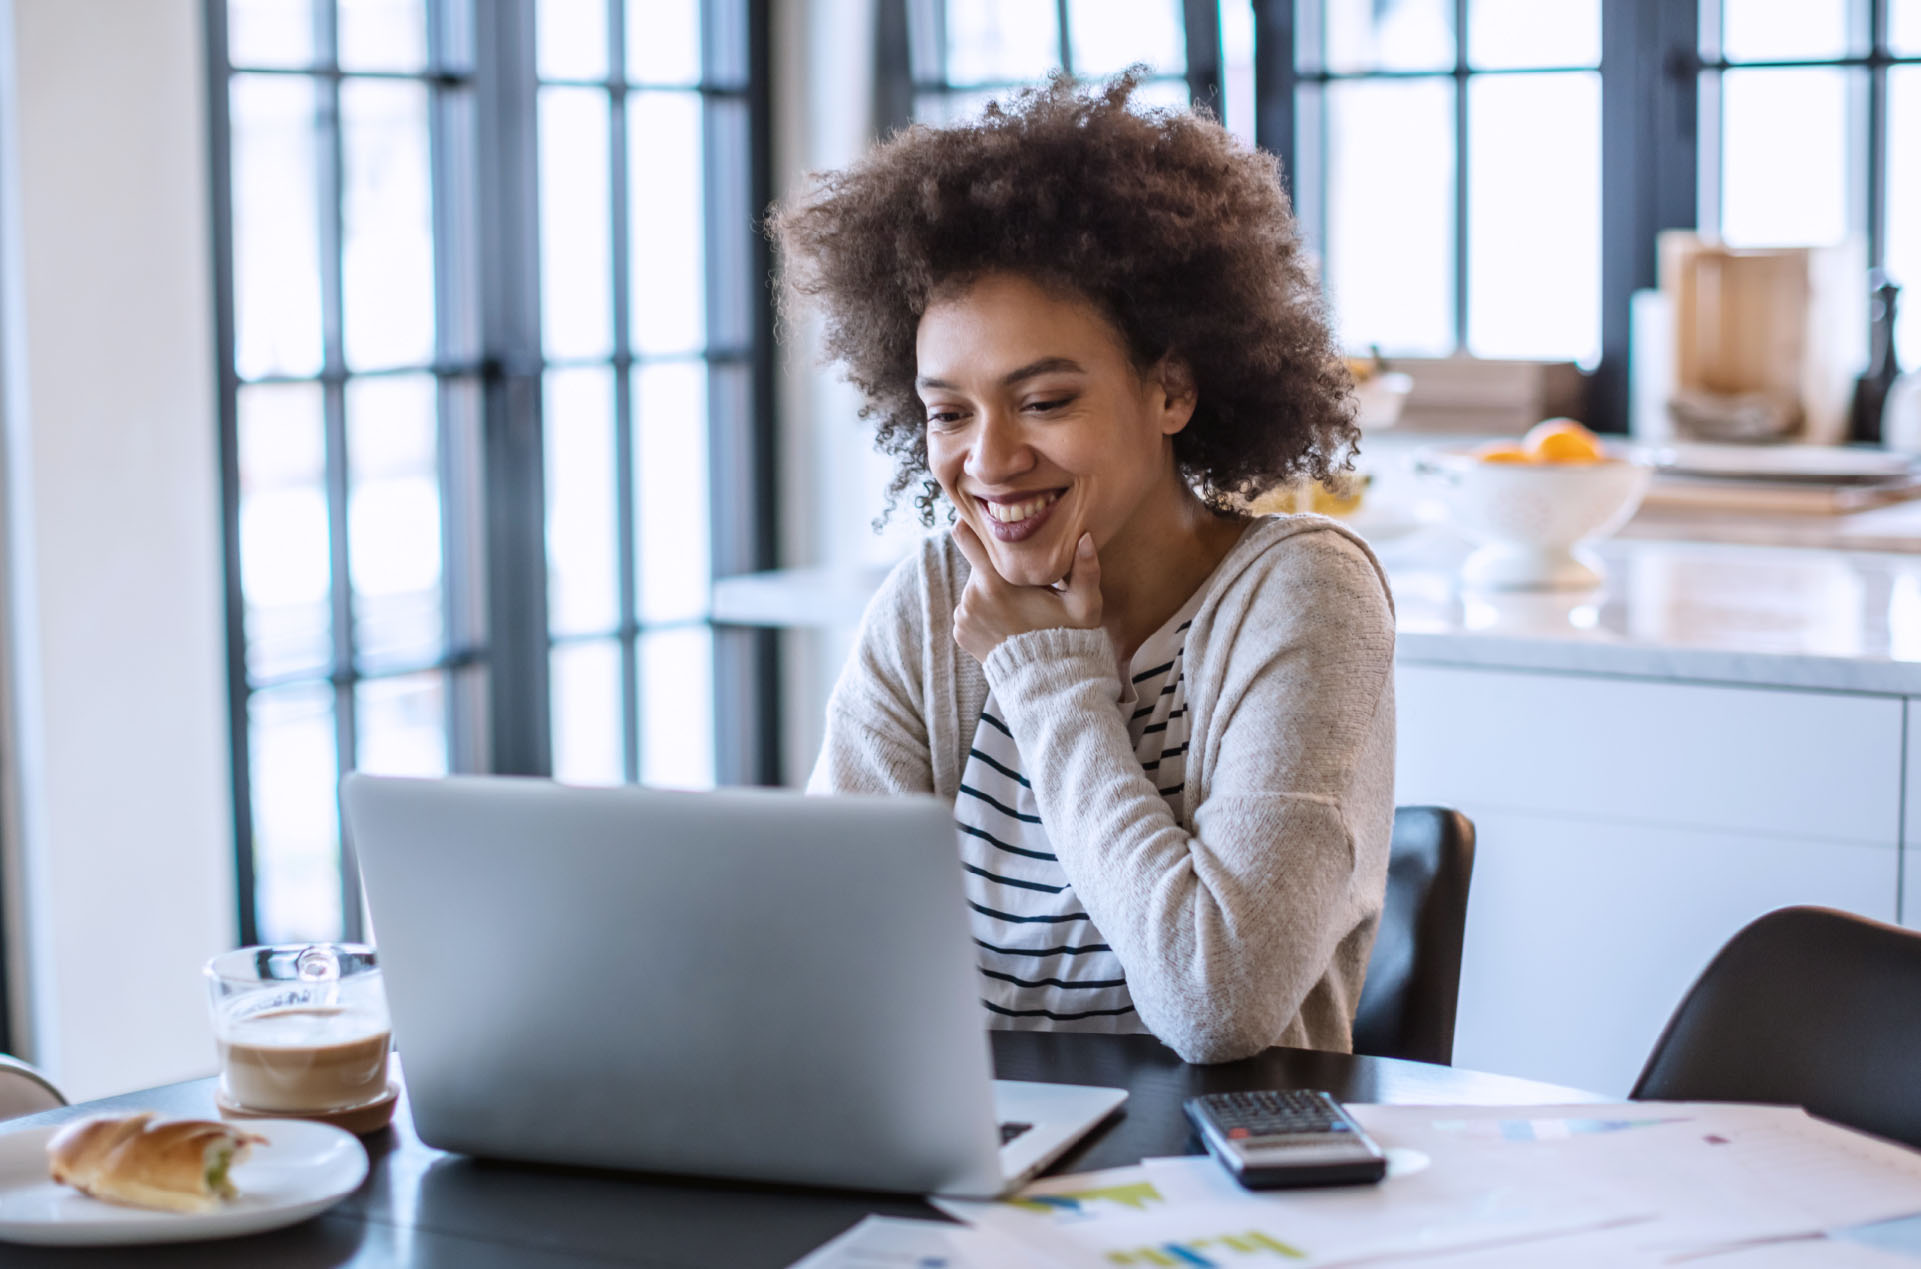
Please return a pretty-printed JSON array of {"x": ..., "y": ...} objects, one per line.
[
  {"x": 1192, "y": 1254},
  {"x": 1544, "y": 1129}
]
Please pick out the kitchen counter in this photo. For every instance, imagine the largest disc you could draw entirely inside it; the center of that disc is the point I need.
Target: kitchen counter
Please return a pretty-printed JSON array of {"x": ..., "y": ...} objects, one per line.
[
  {"x": 1700, "y": 612},
  {"x": 1895, "y": 528},
  {"x": 1823, "y": 602},
  {"x": 1692, "y": 611}
]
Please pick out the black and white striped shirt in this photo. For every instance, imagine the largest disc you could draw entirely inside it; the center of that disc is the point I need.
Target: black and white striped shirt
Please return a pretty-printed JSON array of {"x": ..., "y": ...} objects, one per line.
[{"x": 1043, "y": 964}]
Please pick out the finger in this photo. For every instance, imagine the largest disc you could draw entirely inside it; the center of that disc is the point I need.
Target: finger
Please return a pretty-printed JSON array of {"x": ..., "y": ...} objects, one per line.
[
  {"x": 1083, "y": 594},
  {"x": 975, "y": 550}
]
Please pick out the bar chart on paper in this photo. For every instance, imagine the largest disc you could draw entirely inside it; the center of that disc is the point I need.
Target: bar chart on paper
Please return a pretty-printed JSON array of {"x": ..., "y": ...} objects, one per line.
[
  {"x": 1090, "y": 1203},
  {"x": 1222, "y": 1250},
  {"x": 1549, "y": 1129}
]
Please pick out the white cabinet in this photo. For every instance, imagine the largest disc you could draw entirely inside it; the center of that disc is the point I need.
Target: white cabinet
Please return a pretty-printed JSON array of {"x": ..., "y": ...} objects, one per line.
[
  {"x": 1583, "y": 936},
  {"x": 1626, "y": 829},
  {"x": 1777, "y": 762}
]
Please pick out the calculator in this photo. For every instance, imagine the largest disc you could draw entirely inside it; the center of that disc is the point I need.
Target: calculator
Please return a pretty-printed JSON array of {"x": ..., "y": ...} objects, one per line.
[{"x": 1285, "y": 1138}]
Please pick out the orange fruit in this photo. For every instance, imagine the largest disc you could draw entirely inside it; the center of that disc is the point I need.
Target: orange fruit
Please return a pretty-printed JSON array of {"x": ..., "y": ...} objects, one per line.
[
  {"x": 1562, "y": 441},
  {"x": 1339, "y": 499},
  {"x": 1502, "y": 452}
]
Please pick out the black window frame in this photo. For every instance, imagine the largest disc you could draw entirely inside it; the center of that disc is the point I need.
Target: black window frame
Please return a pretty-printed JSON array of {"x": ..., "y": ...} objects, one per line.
[
  {"x": 1661, "y": 75},
  {"x": 1868, "y": 22},
  {"x": 909, "y": 69},
  {"x": 489, "y": 366},
  {"x": 1648, "y": 148},
  {"x": 1650, "y": 132}
]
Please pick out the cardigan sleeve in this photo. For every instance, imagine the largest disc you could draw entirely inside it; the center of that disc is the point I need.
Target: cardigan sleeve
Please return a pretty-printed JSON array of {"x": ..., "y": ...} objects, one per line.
[
  {"x": 877, "y": 734},
  {"x": 1222, "y": 931}
]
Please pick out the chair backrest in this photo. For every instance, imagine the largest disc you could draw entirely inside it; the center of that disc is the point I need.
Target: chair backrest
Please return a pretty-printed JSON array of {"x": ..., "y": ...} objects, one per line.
[
  {"x": 1414, "y": 974},
  {"x": 25, "y": 1091},
  {"x": 1804, "y": 1007}
]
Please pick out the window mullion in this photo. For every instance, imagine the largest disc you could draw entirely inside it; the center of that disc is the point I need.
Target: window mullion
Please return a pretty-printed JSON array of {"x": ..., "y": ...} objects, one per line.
[
  {"x": 332, "y": 192},
  {"x": 1651, "y": 165},
  {"x": 1875, "y": 148},
  {"x": 219, "y": 115},
  {"x": 513, "y": 467},
  {"x": 765, "y": 497},
  {"x": 451, "y": 177},
  {"x": 1460, "y": 175},
  {"x": 626, "y": 552},
  {"x": 893, "y": 68},
  {"x": 1275, "y": 103},
  {"x": 742, "y": 491},
  {"x": 1201, "y": 27},
  {"x": 1711, "y": 99}
]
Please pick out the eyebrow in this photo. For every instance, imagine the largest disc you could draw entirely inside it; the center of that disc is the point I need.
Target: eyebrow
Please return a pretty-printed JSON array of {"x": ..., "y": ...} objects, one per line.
[{"x": 1046, "y": 365}]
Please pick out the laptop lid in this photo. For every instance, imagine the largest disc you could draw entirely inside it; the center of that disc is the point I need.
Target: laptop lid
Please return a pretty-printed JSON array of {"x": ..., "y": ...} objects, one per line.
[{"x": 746, "y": 983}]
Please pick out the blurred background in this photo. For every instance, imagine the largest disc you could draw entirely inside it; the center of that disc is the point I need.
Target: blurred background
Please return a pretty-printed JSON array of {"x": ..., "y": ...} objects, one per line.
[{"x": 389, "y": 383}]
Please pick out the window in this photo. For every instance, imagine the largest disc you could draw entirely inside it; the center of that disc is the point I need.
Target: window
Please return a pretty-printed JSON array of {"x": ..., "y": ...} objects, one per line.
[
  {"x": 1445, "y": 158},
  {"x": 966, "y": 52},
  {"x": 492, "y": 337},
  {"x": 1817, "y": 109},
  {"x": 1449, "y": 167},
  {"x": 646, "y": 217}
]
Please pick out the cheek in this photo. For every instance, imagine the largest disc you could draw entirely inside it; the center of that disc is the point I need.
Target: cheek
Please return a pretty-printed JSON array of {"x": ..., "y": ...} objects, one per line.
[
  {"x": 1105, "y": 459},
  {"x": 945, "y": 460}
]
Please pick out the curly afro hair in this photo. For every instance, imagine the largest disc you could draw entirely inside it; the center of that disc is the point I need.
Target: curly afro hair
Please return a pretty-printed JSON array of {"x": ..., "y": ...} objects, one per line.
[{"x": 1177, "y": 232}]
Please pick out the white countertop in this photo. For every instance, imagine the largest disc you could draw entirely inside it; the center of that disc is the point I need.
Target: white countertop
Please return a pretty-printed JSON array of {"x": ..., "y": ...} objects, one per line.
[
  {"x": 1821, "y": 602},
  {"x": 1701, "y": 612}
]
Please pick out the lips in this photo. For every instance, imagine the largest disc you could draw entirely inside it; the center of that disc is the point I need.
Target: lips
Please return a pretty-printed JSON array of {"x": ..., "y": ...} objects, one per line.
[
  {"x": 1015, "y": 512},
  {"x": 1011, "y": 520}
]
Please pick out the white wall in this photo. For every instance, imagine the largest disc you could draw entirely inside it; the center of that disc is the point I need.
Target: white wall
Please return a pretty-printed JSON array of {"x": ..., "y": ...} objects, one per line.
[
  {"x": 831, "y": 480},
  {"x": 118, "y": 750}
]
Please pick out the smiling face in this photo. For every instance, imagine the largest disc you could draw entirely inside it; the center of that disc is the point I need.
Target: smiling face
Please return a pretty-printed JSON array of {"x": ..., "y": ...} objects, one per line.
[{"x": 1039, "y": 427}]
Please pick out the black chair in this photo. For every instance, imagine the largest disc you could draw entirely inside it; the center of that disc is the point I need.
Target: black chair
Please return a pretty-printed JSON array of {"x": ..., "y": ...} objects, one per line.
[
  {"x": 1414, "y": 975},
  {"x": 1804, "y": 1007}
]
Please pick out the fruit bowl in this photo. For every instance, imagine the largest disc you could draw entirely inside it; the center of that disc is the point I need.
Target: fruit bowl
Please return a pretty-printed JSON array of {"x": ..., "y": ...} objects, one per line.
[{"x": 1530, "y": 518}]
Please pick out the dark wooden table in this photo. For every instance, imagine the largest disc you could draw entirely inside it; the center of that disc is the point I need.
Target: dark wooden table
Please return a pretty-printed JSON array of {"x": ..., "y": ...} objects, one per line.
[{"x": 423, "y": 1207}]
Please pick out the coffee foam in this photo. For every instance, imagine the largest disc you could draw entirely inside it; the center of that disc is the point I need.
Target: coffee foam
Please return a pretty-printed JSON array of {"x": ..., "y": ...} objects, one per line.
[{"x": 304, "y": 1057}]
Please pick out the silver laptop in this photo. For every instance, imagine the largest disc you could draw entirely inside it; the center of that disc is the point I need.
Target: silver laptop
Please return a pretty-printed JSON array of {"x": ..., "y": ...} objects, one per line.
[{"x": 749, "y": 984}]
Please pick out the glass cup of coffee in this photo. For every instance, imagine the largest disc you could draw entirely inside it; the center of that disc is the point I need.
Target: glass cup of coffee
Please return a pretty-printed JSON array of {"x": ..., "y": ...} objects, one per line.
[{"x": 303, "y": 1033}]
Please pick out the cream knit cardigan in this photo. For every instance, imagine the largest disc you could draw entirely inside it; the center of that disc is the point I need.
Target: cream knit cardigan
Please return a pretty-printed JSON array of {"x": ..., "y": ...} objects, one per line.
[{"x": 1247, "y": 921}]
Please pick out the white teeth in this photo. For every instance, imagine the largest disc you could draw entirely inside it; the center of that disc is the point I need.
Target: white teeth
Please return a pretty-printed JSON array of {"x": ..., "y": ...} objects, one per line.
[{"x": 1013, "y": 513}]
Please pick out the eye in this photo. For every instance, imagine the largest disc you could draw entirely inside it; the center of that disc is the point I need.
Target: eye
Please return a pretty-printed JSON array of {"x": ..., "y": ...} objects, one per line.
[
  {"x": 944, "y": 420},
  {"x": 1052, "y": 404}
]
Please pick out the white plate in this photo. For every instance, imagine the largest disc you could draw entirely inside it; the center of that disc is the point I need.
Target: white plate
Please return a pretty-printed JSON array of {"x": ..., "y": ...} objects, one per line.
[
  {"x": 1823, "y": 463},
  {"x": 1381, "y": 521},
  {"x": 303, "y": 1170}
]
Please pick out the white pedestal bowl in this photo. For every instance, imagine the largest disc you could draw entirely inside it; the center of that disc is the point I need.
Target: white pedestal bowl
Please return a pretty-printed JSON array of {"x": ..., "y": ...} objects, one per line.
[{"x": 1531, "y": 519}]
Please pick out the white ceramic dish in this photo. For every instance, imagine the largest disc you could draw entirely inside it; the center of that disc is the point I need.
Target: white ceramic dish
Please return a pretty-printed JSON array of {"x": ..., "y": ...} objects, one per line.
[
  {"x": 1823, "y": 464},
  {"x": 1379, "y": 521},
  {"x": 1530, "y": 518},
  {"x": 303, "y": 1170}
]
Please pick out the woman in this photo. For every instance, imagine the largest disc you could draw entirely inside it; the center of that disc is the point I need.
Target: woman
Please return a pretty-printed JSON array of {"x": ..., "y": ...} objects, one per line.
[{"x": 1167, "y": 727}]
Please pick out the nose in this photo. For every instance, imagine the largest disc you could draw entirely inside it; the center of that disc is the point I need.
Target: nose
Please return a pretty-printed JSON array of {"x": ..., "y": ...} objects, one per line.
[{"x": 1000, "y": 452}]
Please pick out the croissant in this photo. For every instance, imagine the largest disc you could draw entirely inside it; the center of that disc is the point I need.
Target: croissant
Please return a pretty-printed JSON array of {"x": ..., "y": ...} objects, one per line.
[{"x": 176, "y": 1165}]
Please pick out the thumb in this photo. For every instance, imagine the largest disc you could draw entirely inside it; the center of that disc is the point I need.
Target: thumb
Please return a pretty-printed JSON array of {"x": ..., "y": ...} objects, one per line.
[
  {"x": 975, "y": 550},
  {"x": 1083, "y": 592}
]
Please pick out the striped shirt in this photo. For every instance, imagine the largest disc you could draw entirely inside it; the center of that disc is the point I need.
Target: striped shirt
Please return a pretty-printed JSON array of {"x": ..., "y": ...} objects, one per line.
[{"x": 1043, "y": 964}]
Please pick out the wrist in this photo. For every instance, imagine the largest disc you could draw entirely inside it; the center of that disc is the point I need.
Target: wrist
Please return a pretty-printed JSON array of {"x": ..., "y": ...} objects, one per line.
[{"x": 1039, "y": 662}]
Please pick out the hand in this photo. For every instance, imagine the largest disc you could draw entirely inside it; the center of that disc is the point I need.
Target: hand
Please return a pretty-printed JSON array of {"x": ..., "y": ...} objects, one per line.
[{"x": 992, "y": 609}]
